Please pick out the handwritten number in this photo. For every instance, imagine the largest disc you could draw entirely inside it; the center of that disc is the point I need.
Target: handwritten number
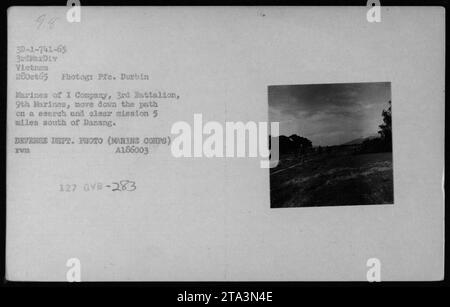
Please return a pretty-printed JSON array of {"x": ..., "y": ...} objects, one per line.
[
  {"x": 40, "y": 20},
  {"x": 43, "y": 19},
  {"x": 124, "y": 185}
]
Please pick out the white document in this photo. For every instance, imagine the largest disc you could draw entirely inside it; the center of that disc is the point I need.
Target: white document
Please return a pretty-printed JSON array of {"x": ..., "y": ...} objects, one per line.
[{"x": 97, "y": 107}]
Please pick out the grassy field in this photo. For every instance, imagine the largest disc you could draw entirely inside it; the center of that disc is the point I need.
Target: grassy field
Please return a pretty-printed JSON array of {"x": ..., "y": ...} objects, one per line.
[{"x": 334, "y": 178}]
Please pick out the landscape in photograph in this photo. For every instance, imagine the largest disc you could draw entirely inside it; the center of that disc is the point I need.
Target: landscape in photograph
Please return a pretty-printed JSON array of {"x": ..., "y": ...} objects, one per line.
[{"x": 335, "y": 144}]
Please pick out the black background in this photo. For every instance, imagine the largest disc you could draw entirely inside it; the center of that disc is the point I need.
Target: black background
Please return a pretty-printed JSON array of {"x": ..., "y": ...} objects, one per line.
[{"x": 158, "y": 293}]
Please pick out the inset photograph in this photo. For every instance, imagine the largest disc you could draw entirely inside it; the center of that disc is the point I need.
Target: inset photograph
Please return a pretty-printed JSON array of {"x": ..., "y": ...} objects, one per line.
[{"x": 335, "y": 145}]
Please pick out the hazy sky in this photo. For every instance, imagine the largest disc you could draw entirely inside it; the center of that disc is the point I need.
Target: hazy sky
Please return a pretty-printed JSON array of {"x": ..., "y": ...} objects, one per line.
[{"x": 329, "y": 114}]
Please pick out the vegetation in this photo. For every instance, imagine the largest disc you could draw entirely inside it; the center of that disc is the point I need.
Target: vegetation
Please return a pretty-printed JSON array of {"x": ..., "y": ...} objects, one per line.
[
  {"x": 355, "y": 173},
  {"x": 384, "y": 142}
]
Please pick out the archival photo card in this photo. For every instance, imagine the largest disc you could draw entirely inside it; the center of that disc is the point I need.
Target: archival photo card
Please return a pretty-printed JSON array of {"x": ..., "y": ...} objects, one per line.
[
  {"x": 335, "y": 144},
  {"x": 138, "y": 143}
]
